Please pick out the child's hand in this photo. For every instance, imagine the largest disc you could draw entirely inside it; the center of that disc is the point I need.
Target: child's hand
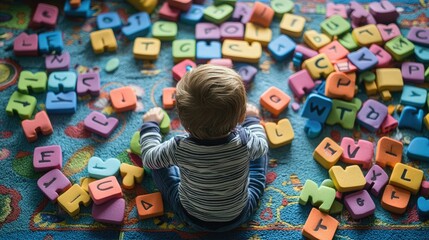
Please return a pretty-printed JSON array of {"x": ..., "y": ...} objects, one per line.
[
  {"x": 252, "y": 110},
  {"x": 155, "y": 114}
]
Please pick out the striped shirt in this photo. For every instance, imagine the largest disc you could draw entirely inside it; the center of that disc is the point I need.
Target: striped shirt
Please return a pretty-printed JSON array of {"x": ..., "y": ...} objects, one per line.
[{"x": 214, "y": 173}]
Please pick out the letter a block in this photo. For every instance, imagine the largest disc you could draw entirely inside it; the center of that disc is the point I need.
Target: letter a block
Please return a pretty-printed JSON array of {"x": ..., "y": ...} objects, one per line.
[
  {"x": 322, "y": 197},
  {"x": 123, "y": 99},
  {"x": 71, "y": 199},
  {"x": 406, "y": 177},
  {"x": 103, "y": 40},
  {"x": 150, "y": 205},
  {"x": 274, "y": 100},
  {"x": 47, "y": 158},
  {"x": 279, "y": 134},
  {"x": 327, "y": 153},
  {"x": 40, "y": 123},
  {"x": 130, "y": 175},
  {"x": 319, "y": 226},
  {"x": 53, "y": 183},
  {"x": 104, "y": 190}
]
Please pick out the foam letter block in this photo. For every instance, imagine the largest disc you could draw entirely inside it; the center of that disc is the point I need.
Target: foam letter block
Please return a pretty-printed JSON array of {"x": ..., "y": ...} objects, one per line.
[
  {"x": 406, "y": 177},
  {"x": 389, "y": 80},
  {"x": 164, "y": 30},
  {"x": 261, "y": 14},
  {"x": 319, "y": 225},
  {"x": 58, "y": 62},
  {"x": 312, "y": 128},
  {"x": 359, "y": 15},
  {"x": 88, "y": 83},
  {"x": 241, "y": 51},
  {"x": 389, "y": 152},
  {"x": 102, "y": 40},
  {"x": 63, "y": 81},
  {"x": 207, "y": 50},
  {"x": 247, "y": 73},
  {"x": 255, "y": 33},
  {"x": 169, "y": 13},
  {"x": 359, "y": 153},
  {"x": 45, "y": 15},
  {"x": 134, "y": 143},
  {"x": 149, "y": 205},
  {"x": 376, "y": 179},
  {"x": 224, "y": 62},
  {"x": 359, "y": 204},
  {"x": 274, "y": 100},
  {"x": 414, "y": 96},
  {"x": 98, "y": 168},
  {"x": 417, "y": 150},
  {"x": 335, "y": 26},
  {"x": 411, "y": 118},
  {"x": 98, "y": 123},
  {"x": 327, "y": 153},
  {"x": 111, "y": 212},
  {"x": 71, "y": 199},
  {"x": 281, "y": 7},
  {"x": 363, "y": 59},
  {"x": 183, "y": 49},
  {"x": 61, "y": 103},
  {"x": 180, "y": 69},
  {"x": 138, "y": 25},
  {"x": 367, "y": 35},
  {"x": 413, "y": 72},
  {"x": 165, "y": 123},
  {"x": 339, "y": 85},
  {"x": 183, "y": 5},
  {"x": 85, "y": 181},
  {"x": 301, "y": 83},
  {"x": 51, "y": 42},
  {"x": 336, "y": 9},
  {"x": 144, "y": 5},
  {"x": 372, "y": 114},
  {"x": 130, "y": 175},
  {"x": 232, "y": 30},
  {"x": 321, "y": 197},
  {"x": 383, "y": 57},
  {"x": 279, "y": 134},
  {"x": 281, "y": 47},
  {"x": 383, "y": 11},
  {"x": 193, "y": 16},
  {"x": 123, "y": 99},
  {"x": 146, "y": 48},
  {"x": 424, "y": 189},
  {"x": 242, "y": 12},
  {"x": 419, "y": 35},
  {"x": 218, "y": 14},
  {"x": 104, "y": 190},
  {"x": 395, "y": 199},
  {"x": 207, "y": 31},
  {"x": 53, "y": 183},
  {"x": 318, "y": 66},
  {"x": 348, "y": 42},
  {"x": 421, "y": 53},
  {"x": 40, "y": 123},
  {"x": 47, "y": 158},
  {"x": 109, "y": 20},
  {"x": 292, "y": 25},
  {"x": 317, "y": 107},
  {"x": 389, "y": 31},
  {"x": 168, "y": 98},
  {"x": 423, "y": 207},
  {"x": 347, "y": 180},
  {"x": 334, "y": 51},
  {"x": 32, "y": 82},
  {"x": 26, "y": 45},
  {"x": 316, "y": 40},
  {"x": 389, "y": 124},
  {"x": 344, "y": 113},
  {"x": 399, "y": 47}
]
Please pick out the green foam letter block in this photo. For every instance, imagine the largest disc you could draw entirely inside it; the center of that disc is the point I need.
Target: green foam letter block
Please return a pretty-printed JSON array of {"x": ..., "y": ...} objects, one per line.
[
  {"x": 164, "y": 30},
  {"x": 322, "y": 197},
  {"x": 229, "y": 2},
  {"x": 348, "y": 42},
  {"x": 184, "y": 49},
  {"x": 22, "y": 104},
  {"x": 400, "y": 48},
  {"x": 335, "y": 26},
  {"x": 135, "y": 143},
  {"x": 165, "y": 124},
  {"x": 328, "y": 183},
  {"x": 29, "y": 82},
  {"x": 281, "y": 7},
  {"x": 344, "y": 113},
  {"x": 218, "y": 14}
]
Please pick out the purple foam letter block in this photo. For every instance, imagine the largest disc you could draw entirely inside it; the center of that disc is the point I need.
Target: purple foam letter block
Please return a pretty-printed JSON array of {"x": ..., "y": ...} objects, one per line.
[
  {"x": 360, "y": 153},
  {"x": 359, "y": 204},
  {"x": 247, "y": 73},
  {"x": 232, "y": 30},
  {"x": 207, "y": 31},
  {"x": 26, "y": 45},
  {"x": 112, "y": 211},
  {"x": 58, "y": 62},
  {"x": 372, "y": 114},
  {"x": 53, "y": 183},
  {"x": 360, "y": 16},
  {"x": 242, "y": 12},
  {"x": 388, "y": 32},
  {"x": 419, "y": 35},
  {"x": 383, "y": 11},
  {"x": 97, "y": 123},
  {"x": 47, "y": 158},
  {"x": 88, "y": 83},
  {"x": 376, "y": 179},
  {"x": 45, "y": 15},
  {"x": 413, "y": 72},
  {"x": 336, "y": 9},
  {"x": 301, "y": 83},
  {"x": 305, "y": 51}
]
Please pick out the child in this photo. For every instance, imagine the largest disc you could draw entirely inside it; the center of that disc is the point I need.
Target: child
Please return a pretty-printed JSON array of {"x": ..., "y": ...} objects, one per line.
[{"x": 214, "y": 177}]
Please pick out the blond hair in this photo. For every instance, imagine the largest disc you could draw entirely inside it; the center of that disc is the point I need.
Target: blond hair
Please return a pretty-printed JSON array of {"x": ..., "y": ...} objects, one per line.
[{"x": 211, "y": 101}]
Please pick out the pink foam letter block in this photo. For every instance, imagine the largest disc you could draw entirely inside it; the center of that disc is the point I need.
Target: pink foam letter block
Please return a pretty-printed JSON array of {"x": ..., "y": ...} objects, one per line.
[
  {"x": 47, "y": 158},
  {"x": 301, "y": 83},
  {"x": 40, "y": 123},
  {"x": 357, "y": 153},
  {"x": 45, "y": 15},
  {"x": 97, "y": 123},
  {"x": 26, "y": 45}
]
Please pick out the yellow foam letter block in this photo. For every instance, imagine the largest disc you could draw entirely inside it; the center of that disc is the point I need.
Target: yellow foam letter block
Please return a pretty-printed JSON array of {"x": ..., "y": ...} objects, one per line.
[
  {"x": 389, "y": 79},
  {"x": 144, "y": 5},
  {"x": 146, "y": 48},
  {"x": 292, "y": 25},
  {"x": 316, "y": 40},
  {"x": 318, "y": 66},
  {"x": 327, "y": 153},
  {"x": 279, "y": 134},
  {"x": 103, "y": 39},
  {"x": 367, "y": 35},
  {"x": 242, "y": 51},
  {"x": 70, "y": 200},
  {"x": 348, "y": 180},
  {"x": 130, "y": 175},
  {"x": 406, "y": 177},
  {"x": 84, "y": 182},
  {"x": 256, "y": 33}
]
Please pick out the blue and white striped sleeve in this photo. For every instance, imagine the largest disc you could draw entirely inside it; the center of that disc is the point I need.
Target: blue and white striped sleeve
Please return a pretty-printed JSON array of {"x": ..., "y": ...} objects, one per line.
[
  {"x": 154, "y": 154},
  {"x": 257, "y": 144}
]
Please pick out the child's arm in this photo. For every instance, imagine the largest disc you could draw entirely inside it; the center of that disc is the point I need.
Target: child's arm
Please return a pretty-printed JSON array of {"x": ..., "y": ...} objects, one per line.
[
  {"x": 257, "y": 141},
  {"x": 154, "y": 154}
]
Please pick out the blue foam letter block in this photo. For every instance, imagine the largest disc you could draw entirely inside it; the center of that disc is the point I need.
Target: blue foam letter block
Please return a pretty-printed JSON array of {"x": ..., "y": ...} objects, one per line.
[
  {"x": 84, "y": 10},
  {"x": 62, "y": 81},
  {"x": 61, "y": 103},
  {"x": 414, "y": 96},
  {"x": 422, "y": 53},
  {"x": 317, "y": 108},
  {"x": 423, "y": 206},
  {"x": 51, "y": 42},
  {"x": 312, "y": 128},
  {"x": 208, "y": 50},
  {"x": 138, "y": 25},
  {"x": 418, "y": 149},
  {"x": 281, "y": 47},
  {"x": 363, "y": 59},
  {"x": 193, "y": 15},
  {"x": 109, "y": 20},
  {"x": 411, "y": 118}
]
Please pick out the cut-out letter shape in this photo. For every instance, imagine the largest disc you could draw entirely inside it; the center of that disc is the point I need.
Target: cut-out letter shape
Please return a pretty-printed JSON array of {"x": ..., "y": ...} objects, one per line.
[
  {"x": 102, "y": 40},
  {"x": 105, "y": 189},
  {"x": 71, "y": 199},
  {"x": 319, "y": 225},
  {"x": 395, "y": 199},
  {"x": 274, "y": 100},
  {"x": 279, "y": 134},
  {"x": 327, "y": 153},
  {"x": 347, "y": 180},
  {"x": 359, "y": 153},
  {"x": 47, "y": 158},
  {"x": 149, "y": 205},
  {"x": 98, "y": 123},
  {"x": 123, "y": 99},
  {"x": 53, "y": 183},
  {"x": 98, "y": 168},
  {"x": 389, "y": 152},
  {"x": 111, "y": 212},
  {"x": 130, "y": 175},
  {"x": 88, "y": 83},
  {"x": 376, "y": 179},
  {"x": 406, "y": 177},
  {"x": 40, "y": 124},
  {"x": 321, "y": 197}
]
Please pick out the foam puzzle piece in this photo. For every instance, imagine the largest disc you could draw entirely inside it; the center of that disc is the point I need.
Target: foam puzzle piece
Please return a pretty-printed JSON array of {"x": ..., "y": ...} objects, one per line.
[
  {"x": 414, "y": 96},
  {"x": 164, "y": 125},
  {"x": 359, "y": 153},
  {"x": 292, "y": 25},
  {"x": 232, "y": 30},
  {"x": 146, "y": 48},
  {"x": 241, "y": 12},
  {"x": 47, "y": 158},
  {"x": 390, "y": 123},
  {"x": 130, "y": 175},
  {"x": 40, "y": 123},
  {"x": 344, "y": 113},
  {"x": 105, "y": 189},
  {"x": 111, "y": 212},
  {"x": 21, "y": 104},
  {"x": 411, "y": 118},
  {"x": 103, "y": 40},
  {"x": 359, "y": 204},
  {"x": 88, "y": 83},
  {"x": 340, "y": 86},
  {"x": 349, "y": 179},
  {"x": 334, "y": 51},
  {"x": 336, "y": 9},
  {"x": 193, "y": 15},
  {"x": 62, "y": 81},
  {"x": 83, "y": 10},
  {"x": 281, "y": 7},
  {"x": 363, "y": 59},
  {"x": 389, "y": 152},
  {"x": 242, "y": 51},
  {"x": 53, "y": 183},
  {"x": 318, "y": 66},
  {"x": 99, "y": 168},
  {"x": 247, "y": 73},
  {"x": 319, "y": 225},
  {"x": 416, "y": 149},
  {"x": 169, "y": 13},
  {"x": 317, "y": 107},
  {"x": 207, "y": 31},
  {"x": 218, "y": 14},
  {"x": 421, "y": 53},
  {"x": 274, "y": 100},
  {"x": 413, "y": 72},
  {"x": 32, "y": 82},
  {"x": 58, "y": 62},
  {"x": 321, "y": 197},
  {"x": 180, "y": 69},
  {"x": 164, "y": 30},
  {"x": 301, "y": 83},
  {"x": 98, "y": 123},
  {"x": 376, "y": 180},
  {"x": 256, "y": 33},
  {"x": 207, "y": 50},
  {"x": 123, "y": 99},
  {"x": 149, "y": 205},
  {"x": 261, "y": 14},
  {"x": 406, "y": 177},
  {"x": 50, "y": 42},
  {"x": 45, "y": 15},
  {"x": 419, "y": 35},
  {"x": 367, "y": 35},
  {"x": 61, "y": 102},
  {"x": 389, "y": 31},
  {"x": 383, "y": 57},
  {"x": 109, "y": 20},
  {"x": 348, "y": 42},
  {"x": 279, "y": 134},
  {"x": 372, "y": 115},
  {"x": 334, "y": 25},
  {"x": 183, "y": 49},
  {"x": 327, "y": 153},
  {"x": 395, "y": 199},
  {"x": 383, "y": 12},
  {"x": 144, "y": 5},
  {"x": 138, "y": 25},
  {"x": 182, "y": 5},
  {"x": 135, "y": 144},
  {"x": 313, "y": 128},
  {"x": 26, "y": 45},
  {"x": 70, "y": 200},
  {"x": 399, "y": 47},
  {"x": 168, "y": 97},
  {"x": 281, "y": 47},
  {"x": 316, "y": 40}
]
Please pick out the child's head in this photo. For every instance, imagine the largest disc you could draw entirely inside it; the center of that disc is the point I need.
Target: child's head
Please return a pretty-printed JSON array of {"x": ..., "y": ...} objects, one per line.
[{"x": 211, "y": 101}]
